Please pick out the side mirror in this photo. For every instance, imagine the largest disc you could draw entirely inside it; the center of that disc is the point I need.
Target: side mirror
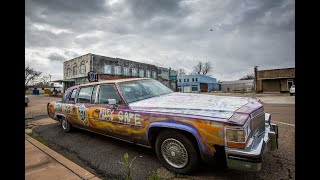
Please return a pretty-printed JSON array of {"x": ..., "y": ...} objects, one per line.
[{"x": 112, "y": 101}]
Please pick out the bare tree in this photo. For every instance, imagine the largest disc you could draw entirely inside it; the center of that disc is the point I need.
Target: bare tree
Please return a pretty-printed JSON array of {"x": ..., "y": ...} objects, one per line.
[
  {"x": 181, "y": 72},
  {"x": 247, "y": 77},
  {"x": 198, "y": 68},
  {"x": 206, "y": 68},
  {"x": 30, "y": 75},
  {"x": 44, "y": 81},
  {"x": 203, "y": 68}
]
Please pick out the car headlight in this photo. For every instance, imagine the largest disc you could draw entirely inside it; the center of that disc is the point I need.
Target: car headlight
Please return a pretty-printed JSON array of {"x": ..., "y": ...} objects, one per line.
[{"x": 237, "y": 137}]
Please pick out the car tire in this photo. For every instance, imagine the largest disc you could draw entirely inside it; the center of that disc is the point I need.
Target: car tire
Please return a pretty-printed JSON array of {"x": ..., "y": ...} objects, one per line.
[
  {"x": 177, "y": 152},
  {"x": 66, "y": 126},
  {"x": 291, "y": 94}
]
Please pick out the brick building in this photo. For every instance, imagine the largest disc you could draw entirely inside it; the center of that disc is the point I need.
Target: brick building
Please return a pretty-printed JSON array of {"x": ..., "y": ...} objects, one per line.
[
  {"x": 75, "y": 71},
  {"x": 274, "y": 80}
]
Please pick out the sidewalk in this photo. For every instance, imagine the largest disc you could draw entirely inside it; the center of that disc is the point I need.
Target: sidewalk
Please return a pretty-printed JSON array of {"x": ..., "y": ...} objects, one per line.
[{"x": 43, "y": 163}]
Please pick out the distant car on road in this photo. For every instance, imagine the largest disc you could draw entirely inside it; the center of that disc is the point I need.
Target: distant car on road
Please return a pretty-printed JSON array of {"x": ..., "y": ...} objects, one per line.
[
  {"x": 26, "y": 101},
  {"x": 292, "y": 90}
]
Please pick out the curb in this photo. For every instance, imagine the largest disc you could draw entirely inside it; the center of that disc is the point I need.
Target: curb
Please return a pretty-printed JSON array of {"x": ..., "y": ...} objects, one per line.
[{"x": 76, "y": 169}]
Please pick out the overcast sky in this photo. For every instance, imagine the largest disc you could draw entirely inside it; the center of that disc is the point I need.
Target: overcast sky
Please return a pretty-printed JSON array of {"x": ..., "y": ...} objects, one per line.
[{"x": 167, "y": 33}]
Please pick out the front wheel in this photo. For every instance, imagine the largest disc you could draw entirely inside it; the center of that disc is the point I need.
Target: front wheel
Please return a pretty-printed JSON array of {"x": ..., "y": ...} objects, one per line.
[
  {"x": 176, "y": 152},
  {"x": 66, "y": 126}
]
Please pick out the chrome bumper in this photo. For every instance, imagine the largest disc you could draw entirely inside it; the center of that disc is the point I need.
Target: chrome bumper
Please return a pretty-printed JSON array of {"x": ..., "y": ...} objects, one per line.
[{"x": 250, "y": 158}]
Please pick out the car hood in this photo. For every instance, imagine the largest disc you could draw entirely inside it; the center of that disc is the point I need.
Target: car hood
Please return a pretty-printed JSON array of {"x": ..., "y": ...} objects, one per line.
[{"x": 193, "y": 104}]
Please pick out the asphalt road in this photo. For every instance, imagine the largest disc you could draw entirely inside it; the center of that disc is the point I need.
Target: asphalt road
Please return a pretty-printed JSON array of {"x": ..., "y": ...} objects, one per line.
[{"x": 101, "y": 155}]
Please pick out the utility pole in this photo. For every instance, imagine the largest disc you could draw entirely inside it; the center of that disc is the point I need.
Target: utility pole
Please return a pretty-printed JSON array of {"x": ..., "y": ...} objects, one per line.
[{"x": 50, "y": 78}]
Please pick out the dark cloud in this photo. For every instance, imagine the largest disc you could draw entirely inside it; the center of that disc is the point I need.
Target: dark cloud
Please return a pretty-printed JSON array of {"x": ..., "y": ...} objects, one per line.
[
  {"x": 147, "y": 9},
  {"x": 169, "y": 33},
  {"x": 56, "y": 57}
]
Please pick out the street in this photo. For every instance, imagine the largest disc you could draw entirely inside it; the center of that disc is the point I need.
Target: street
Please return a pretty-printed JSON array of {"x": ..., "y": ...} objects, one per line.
[{"x": 101, "y": 155}]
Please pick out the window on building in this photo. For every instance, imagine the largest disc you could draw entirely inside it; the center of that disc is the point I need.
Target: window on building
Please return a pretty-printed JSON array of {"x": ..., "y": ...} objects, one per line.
[
  {"x": 192, "y": 79},
  {"x": 85, "y": 95},
  {"x": 179, "y": 88},
  {"x": 187, "y": 80},
  {"x": 106, "y": 92},
  {"x": 107, "y": 69},
  {"x": 126, "y": 71},
  {"x": 73, "y": 95},
  {"x": 134, "y": 72},
  {"x": 184, "y": 80},
  {"x": 75, "y": 72},
  {"x": 179, "y": 80},
  {"x": 141, "y": 73},
  {"x": 117, "y": 70},
  {"x": 196, "y": 79},
  {"x": 154, "y": 74},
  {"x": 82, "y": 69},
  {"x": 148, "y": 73},
  {"x": 194, "y": 88},
  {"x": 68, "y": 72}
]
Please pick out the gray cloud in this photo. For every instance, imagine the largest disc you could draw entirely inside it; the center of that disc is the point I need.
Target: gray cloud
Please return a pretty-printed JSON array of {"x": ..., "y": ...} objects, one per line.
[
  {"x": 167, "y": 33},
  {"x": 56, "y": 57}
]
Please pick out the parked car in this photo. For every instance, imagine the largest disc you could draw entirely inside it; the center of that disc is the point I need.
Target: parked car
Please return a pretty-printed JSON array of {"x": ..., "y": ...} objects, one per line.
[
  {"x": 183, "y": 128},
  {"x": 26, "y": 101},
  {"x": 292, "y": 90}
]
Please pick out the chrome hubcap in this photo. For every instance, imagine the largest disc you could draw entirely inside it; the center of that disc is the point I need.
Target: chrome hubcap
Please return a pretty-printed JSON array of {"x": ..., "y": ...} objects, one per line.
[
  {"x": 64, "y": 124},
  {"x": 174, "y": 153}
]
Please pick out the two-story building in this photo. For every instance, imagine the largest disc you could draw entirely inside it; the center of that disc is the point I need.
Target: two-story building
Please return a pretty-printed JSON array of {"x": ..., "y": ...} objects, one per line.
[
  {"x": 75, "y": 71},
  {"x": 197, "y": 83}
]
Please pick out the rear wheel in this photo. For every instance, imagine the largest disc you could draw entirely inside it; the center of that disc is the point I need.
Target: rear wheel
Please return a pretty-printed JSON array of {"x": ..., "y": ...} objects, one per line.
[
  {"x": 66, "y": 126},
  {"x": 176, "y": 152}
]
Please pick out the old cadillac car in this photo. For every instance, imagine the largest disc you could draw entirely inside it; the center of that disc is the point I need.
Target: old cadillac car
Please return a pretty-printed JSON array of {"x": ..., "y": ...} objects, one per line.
[{"x": 183, "y": 128}]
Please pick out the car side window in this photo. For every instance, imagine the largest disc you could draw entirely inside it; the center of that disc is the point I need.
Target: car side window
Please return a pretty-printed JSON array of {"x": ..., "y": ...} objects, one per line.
[
  {"x": 108, "y": 91},
  {"x": 73, "y": 96},
  {"x": 85, "y": 95}
]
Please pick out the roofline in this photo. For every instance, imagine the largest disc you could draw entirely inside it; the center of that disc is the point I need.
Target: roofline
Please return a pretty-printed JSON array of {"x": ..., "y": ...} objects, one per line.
[
  {"x": 276, "y": 69},
  {"x": 113, "y": 58}
]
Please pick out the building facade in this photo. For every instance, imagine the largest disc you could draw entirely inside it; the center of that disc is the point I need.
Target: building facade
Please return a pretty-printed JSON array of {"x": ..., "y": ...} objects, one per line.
[
  {"x": 274, "y": 80},
  {"x": 237, "y": 86},
  {"x": 75, "y": 71},
  {"x": 197, "y": 83}
]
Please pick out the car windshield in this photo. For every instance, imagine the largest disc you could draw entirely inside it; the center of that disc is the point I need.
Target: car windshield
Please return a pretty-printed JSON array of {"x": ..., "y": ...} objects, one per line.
[
  {"x": 293, "y": 86},
  {"x": 142, "y": 89}
]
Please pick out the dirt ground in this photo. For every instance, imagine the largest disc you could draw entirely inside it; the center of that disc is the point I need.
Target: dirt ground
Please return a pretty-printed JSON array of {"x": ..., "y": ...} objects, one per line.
[{"x": 38, "y": 105}]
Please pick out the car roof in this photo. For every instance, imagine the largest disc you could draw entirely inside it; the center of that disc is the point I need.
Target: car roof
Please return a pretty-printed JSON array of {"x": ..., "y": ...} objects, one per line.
[{"x": 110, "y": 81}]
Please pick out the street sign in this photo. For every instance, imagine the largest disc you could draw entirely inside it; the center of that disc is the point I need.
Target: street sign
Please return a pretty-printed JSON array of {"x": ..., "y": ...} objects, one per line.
[{"x": 92, "y": 76}]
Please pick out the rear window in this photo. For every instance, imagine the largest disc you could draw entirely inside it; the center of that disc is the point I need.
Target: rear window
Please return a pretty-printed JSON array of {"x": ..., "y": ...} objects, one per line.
[{"x": 73, "y": 95}]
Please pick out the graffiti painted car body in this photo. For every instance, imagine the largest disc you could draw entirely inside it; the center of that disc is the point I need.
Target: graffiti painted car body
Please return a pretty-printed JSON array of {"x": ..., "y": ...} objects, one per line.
[{"x": 184, "y": 128}]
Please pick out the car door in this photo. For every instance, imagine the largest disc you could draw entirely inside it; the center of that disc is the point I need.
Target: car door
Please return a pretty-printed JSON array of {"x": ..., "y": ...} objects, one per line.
[
  {"x": 108, "y": 115},
  {"x": 84, "y": 102},
  {"x": 68, "y": 108}
]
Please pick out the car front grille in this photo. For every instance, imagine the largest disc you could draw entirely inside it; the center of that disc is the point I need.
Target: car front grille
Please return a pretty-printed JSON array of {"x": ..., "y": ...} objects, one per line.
[{"x": 258, "y": 122}]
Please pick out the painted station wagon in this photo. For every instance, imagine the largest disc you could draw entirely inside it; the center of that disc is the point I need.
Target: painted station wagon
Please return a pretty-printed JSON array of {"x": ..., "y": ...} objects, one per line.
[{"x": 183, "y": 128}]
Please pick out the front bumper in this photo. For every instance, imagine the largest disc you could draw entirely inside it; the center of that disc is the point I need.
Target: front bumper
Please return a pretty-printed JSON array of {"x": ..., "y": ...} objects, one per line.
[{"x": 250, "y": 158}]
